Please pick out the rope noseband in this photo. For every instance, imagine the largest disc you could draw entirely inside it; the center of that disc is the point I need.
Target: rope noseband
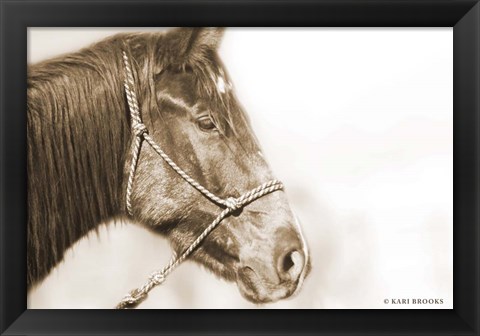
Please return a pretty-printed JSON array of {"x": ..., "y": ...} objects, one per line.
[{"x": 230, "y": 204}]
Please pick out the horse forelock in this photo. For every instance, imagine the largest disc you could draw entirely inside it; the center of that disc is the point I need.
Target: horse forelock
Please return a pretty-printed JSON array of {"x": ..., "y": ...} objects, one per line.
[{"x": 153, "y": 54}]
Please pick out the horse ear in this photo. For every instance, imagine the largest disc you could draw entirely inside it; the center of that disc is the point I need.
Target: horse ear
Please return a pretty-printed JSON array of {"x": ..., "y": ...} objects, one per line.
[
  {"x": 206, "y": 38},
  {"x": 183, "y": 45}
]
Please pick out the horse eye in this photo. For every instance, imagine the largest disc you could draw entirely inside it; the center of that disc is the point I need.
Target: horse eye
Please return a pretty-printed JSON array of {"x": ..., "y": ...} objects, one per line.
[{"x": 205, "y": 123}]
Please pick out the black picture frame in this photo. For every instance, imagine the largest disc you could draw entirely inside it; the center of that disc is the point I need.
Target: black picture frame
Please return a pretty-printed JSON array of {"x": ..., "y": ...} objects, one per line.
[{"x": 17, "y": 15}]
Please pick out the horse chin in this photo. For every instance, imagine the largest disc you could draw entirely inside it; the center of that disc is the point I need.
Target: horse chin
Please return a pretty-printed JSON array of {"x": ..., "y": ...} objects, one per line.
[
  {"x": 260, "y": 291},
  {"x": 251, "y": 287}
]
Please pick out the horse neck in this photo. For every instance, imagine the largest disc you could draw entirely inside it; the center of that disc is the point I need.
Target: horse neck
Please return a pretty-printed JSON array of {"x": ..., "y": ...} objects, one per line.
[{"x": 77, "y": 134}]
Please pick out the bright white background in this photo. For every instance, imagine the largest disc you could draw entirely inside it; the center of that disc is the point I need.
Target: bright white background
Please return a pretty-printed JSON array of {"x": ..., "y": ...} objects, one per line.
[{"x": 358, "y": 125}]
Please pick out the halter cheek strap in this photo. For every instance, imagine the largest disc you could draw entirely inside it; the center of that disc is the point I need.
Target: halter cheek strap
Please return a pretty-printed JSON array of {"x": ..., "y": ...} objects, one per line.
[{"x": 230, "y": 204}]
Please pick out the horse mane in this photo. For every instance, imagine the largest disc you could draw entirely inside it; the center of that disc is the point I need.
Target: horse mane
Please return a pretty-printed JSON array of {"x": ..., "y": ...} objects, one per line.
[
  {"x": 78, "y": 132},
  {"x": 76, "y": 143}
]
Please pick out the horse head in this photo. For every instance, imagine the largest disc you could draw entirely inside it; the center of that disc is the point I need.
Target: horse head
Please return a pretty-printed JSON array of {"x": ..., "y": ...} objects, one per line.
[
  {"x": 78, "y": 162},
  {"x": 190, "y": 109}
]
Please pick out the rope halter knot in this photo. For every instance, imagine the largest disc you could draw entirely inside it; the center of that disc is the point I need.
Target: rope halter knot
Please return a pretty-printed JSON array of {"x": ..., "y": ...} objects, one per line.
[
  {"x": 139, "y": 129},
  {"x": 233, "y": 204}
]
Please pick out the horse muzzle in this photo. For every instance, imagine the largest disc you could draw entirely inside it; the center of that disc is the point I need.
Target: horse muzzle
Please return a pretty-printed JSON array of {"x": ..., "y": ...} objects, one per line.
[{"x": 268, "y": 277}]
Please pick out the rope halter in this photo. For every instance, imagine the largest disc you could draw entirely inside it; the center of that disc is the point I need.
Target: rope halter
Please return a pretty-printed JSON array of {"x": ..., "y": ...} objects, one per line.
[{"x": 230, "y": 204}]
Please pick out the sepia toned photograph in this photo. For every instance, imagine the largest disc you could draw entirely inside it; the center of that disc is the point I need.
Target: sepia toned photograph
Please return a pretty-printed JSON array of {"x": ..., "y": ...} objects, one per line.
[{"x": 240, "y": 168}]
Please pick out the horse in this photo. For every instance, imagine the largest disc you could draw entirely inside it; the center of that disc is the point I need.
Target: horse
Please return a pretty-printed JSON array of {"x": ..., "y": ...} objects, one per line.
[{"x": 89, "y": 112}]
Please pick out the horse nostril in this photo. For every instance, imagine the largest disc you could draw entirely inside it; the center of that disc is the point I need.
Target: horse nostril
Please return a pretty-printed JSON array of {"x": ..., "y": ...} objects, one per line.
[
  {"x": 288, "y": 262},
  {"x": 290, "y": 265}
]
